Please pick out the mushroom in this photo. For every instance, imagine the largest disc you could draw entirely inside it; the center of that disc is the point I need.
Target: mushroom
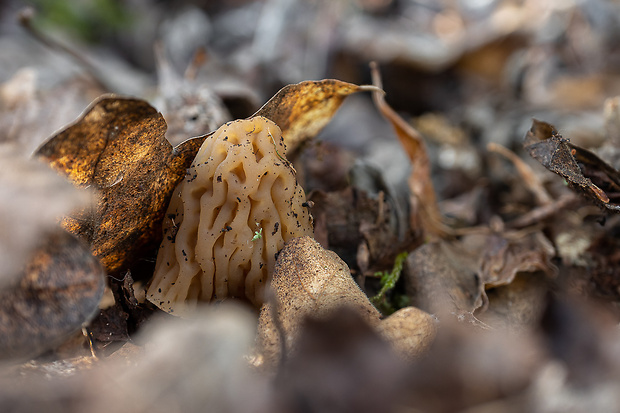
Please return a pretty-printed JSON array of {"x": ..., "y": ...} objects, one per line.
[
  {"x": 237, "y": 206},
  {"x": 312, "y": 282}
]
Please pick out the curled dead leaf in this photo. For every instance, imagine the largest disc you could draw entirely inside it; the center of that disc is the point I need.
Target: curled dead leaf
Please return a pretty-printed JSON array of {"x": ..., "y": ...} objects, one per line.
[
  {"x": 584, "y": 172},
  {"x": 422, "y": 199},
  {"x": 302, "y": 110},
  {"x": 451, "y": 277},
  {"x": 509, "y": 254}
]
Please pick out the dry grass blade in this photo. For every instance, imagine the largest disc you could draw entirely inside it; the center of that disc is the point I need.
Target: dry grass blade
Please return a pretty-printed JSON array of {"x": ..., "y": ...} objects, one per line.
[{"x": 529, "y": 177}]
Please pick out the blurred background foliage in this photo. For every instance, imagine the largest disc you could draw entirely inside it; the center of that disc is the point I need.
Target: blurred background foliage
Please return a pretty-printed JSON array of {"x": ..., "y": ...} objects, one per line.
[{"x": 92, "y": 21}]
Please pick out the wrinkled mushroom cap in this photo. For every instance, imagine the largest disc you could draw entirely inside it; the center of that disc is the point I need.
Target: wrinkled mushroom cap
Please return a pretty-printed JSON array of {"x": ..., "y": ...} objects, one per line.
[{"x": 238, "y": 205}]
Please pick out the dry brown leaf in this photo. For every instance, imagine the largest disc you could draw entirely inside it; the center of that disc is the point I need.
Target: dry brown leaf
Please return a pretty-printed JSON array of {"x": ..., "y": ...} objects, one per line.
[
  {"x": 59, "y": 290},
  {"x": 509, "y": 254},
  {"x": 423, "y": 201},
  {"x": 451, "y": 277},
  {"x": 441, "y": 278},
  {"x": 518, "y": 305},
  {"x": 302, "y": 110},
  {"x": 32, "y": 200},
  {"x": 353, "y": 220},
  {"x": 583, "y": 170},
  {"x": 118, "y": 148}
]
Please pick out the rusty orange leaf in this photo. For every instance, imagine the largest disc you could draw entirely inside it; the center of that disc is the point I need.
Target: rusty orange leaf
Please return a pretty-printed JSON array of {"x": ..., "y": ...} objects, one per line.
[
  {"x": 302, "y": 110},
  {"x": 118, "y": 148}
]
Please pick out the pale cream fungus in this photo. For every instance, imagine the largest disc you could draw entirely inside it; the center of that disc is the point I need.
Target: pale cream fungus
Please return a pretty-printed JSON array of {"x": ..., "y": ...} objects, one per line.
[{"x": 235, "y": 209}]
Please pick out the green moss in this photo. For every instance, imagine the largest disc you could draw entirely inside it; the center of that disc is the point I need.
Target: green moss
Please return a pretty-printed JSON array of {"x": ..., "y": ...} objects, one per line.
[{"x": 388, "y": 282}]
